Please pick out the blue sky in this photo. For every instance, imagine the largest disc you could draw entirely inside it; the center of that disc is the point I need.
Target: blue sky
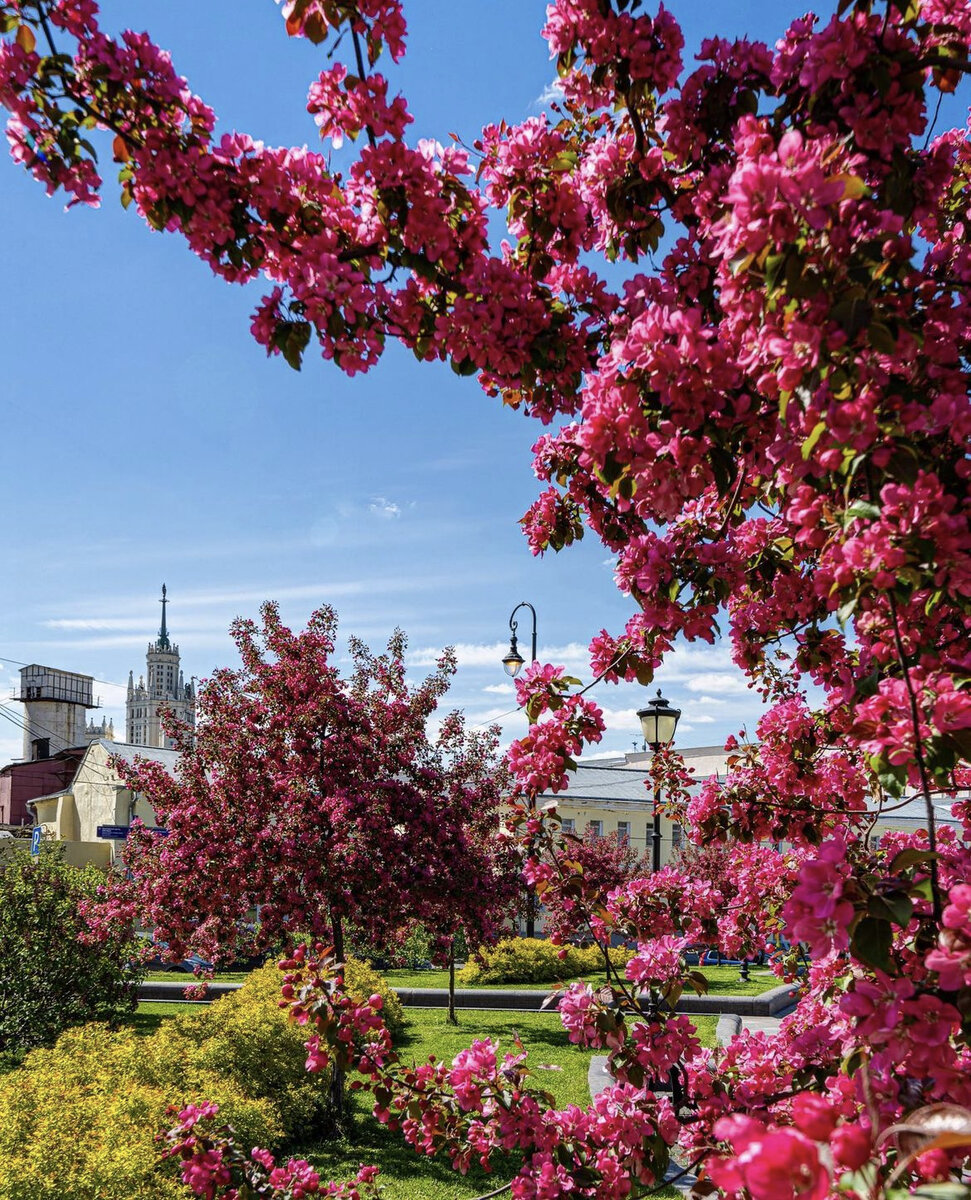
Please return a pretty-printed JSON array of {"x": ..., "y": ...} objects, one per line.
[{"x": 148, "y": 438}]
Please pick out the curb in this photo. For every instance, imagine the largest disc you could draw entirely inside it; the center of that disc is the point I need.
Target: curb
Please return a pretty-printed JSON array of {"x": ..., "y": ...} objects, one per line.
[
  {"x": 519, "y": 1000},
  {"x": 174, "y": 993},
  {"x": 729, "y": 1024}
]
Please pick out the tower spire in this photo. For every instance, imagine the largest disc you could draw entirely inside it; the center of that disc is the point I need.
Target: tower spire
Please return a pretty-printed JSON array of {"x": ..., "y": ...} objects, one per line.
[{"x": 163, "y": 635}]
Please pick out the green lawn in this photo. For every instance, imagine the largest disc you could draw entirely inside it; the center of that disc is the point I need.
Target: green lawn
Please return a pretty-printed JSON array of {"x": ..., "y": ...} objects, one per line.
[
  {"x": 406, "y": 1175},
  {"x": 722, "y": 981},
  {"x": 410, "y": 1177},
  {"x": 189, "y": 979},
  {"x": 151, "y": 1013}
]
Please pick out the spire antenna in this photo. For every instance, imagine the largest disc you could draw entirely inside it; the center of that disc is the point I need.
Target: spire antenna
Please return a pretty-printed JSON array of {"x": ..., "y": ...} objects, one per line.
[{"x": 163, "y": 635}]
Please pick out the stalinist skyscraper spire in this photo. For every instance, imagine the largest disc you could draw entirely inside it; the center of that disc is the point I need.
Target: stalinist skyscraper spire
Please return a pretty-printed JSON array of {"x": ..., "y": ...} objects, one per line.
[{"x": 162, "y": 688}]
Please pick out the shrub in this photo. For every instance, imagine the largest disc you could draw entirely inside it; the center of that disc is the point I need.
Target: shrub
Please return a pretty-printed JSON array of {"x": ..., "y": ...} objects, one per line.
[
  {"x": 50, "y": 977},
  {"x": 78, "y": 1121},
  {"x": 245, "y": 1037},
  {"x": 532, "y": 960}
]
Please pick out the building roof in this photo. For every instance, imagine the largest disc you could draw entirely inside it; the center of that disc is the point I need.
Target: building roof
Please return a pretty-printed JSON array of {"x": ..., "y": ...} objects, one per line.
[
  {"x": 50, "y": 796},
  {"x": 621, "y": 780},
  {"x": 128, "y": 754},
  {"x": 27, "y": 765}
]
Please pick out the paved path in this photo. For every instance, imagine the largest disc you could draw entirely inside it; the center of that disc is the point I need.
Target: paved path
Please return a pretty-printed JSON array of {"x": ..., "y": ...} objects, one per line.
[{"x": 728, "y": 1026}]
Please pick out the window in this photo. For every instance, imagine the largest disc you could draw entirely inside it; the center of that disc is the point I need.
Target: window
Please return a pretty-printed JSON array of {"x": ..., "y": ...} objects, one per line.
[
  {"x": 595, "y": 828},
  {"x": 42, "y": 747},
  {"x": 569, "y": 824},
  {"x": 676, "y": 836},
  {"x": 623, "y": 831}
]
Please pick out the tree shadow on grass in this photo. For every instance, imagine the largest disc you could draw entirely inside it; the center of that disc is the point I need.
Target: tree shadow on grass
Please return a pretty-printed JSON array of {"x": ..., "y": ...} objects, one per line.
[{"x": 405, "y": 1173}]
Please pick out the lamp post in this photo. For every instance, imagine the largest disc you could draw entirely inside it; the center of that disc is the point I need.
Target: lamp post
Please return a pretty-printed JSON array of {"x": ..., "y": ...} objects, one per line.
[
  {"x": 658, "y": 721},
  {"x": 513, "y": 664},
  {"x": 513, "y": 661}
]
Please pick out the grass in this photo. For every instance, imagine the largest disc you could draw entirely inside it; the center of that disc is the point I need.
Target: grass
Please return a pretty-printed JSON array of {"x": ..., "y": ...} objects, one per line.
[
  {"x": 406, "y": 1175},
  {"x": 187, "y": 978},
  {"x": 151, "y": 1013},
  {"x": 722, "y": 981}
]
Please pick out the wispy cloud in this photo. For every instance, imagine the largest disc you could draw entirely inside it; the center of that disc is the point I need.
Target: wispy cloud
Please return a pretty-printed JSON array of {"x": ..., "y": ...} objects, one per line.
[
  {"x": 550, "y": 94},
  {"x": 727, "y": 685},
  {"x": 384, "y": 509},
  {"x": 490, "y": 655}
]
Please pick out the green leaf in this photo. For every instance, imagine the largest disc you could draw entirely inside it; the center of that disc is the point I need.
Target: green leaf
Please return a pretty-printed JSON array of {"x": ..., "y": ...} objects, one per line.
[
  {"x": 465, "y": 367},
  {"x": 906, "y": 859},
  {"x": 773, "y": 268},
  {"x": 845, "y": 611},
  {"x": 871, "y": 943},
  {"x": 292, "y": 337},
  {"x": 810, "y": 443},
  {"x": 946, "y": 1190},
  {"x": 960, "y": 740},
  {"x": 863, "y": 508},
  {"x": 895, "y": 906},
  {"x": 880, "y": 338}
]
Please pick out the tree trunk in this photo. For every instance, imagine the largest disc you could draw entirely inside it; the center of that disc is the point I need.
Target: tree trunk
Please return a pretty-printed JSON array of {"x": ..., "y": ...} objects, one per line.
[
  {"x": 337, "y": 1098},
  {"x": 452, "y": 1019}
]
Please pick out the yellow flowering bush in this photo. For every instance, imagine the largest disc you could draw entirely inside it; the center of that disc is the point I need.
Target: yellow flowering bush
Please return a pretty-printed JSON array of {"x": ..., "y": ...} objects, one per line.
[
  {"x": 533, "y": 960},
  {"x": 79, "y": 1121}
]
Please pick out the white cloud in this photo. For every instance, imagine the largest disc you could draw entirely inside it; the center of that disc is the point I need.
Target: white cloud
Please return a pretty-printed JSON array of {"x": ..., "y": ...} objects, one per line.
[
  {"x": 728, "y": 685},
  {"x": 387, "y": 510},
  {"x": 550, "y": 94},
  {"x": 478, "y": 654},
  {"x": 500, "y": 689},
  {"x": 709, "y": 700}
]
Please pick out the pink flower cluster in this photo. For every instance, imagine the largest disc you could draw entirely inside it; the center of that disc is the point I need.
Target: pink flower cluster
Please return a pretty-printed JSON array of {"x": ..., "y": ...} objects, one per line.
[{"x": 343, "y": 106}]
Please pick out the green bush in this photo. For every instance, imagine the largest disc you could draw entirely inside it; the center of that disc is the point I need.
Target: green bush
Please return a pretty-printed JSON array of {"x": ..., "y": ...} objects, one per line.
[
  {"x": 50, "y": 977},
  {"x": 78, "y": 1121},
  {"x": 532, "y": 960}
]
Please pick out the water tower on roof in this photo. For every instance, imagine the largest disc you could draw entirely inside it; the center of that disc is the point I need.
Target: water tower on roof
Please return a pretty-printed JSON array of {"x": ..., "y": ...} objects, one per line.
[{"x": 55, "y": 702}]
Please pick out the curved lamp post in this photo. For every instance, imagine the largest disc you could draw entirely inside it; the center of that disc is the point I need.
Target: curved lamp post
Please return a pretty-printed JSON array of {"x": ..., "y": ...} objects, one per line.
[
  {"x": 658, "y": 721},
  {"x": 513, "y": 661},
  {"x": 513, "y": 664}
]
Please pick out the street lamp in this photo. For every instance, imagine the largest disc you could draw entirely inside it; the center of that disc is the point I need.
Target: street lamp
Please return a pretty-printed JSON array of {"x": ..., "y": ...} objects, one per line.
[
  {"x": 513, "y": 661},
  {"x": 658, "y": 721},
  {"x": 513, "y": 664}
]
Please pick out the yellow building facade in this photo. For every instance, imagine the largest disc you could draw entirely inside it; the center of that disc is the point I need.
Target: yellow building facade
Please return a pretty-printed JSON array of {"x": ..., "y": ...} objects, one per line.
[{"x": 98, "y": 799}]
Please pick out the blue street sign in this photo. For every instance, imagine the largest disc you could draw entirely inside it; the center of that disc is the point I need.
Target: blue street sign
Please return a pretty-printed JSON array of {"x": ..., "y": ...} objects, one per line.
[
  {"x": 35, "y": 839},
  {"x": 118, "y": 833},
  {"x": 113, "y": 833}
]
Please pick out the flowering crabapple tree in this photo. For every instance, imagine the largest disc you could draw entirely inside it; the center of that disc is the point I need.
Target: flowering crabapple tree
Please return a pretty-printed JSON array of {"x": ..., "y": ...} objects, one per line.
[
  {"x": 313, "y": 800},
  {"x": 601, "y": 863},
  {"x": 736, "y": 294}
]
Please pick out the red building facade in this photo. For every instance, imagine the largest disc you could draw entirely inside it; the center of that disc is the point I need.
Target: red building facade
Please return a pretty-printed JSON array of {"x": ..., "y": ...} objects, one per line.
[{"x": 23, "y": 781}]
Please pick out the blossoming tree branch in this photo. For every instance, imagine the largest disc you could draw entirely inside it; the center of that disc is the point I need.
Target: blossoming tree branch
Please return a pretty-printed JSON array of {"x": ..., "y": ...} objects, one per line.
[{"x": 761, "y": 409}]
